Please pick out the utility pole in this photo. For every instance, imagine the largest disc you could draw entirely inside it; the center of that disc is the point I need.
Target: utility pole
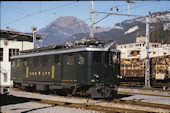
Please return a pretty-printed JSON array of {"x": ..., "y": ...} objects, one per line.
[
  {"x": 91, "y": 21},
  {"x": 34, "y": 36},
  {"x": 147, "y": 73}
]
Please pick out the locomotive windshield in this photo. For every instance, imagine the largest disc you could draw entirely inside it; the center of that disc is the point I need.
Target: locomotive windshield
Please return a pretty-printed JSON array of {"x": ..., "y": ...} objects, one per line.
[
  {"x": 109, "y": 57},
  {"x": 97, "y": 57}
]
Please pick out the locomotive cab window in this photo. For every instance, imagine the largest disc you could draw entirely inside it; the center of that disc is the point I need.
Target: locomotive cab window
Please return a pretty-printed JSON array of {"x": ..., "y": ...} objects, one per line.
[
  {"x": 116, "y": 58},
  {"x": 107, "y": 58},
  {"x": 57, "y": 59},
  {"x": 70, "y": 59},
  {"x": 97, "y": 57}
]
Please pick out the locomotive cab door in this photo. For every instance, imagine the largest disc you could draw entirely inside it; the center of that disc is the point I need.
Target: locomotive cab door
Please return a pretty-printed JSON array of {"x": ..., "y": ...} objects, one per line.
[
  {"x": 111, "y": 66},
  {"x": 68, "y": 68},
  {"x": 57, "y": 68}
]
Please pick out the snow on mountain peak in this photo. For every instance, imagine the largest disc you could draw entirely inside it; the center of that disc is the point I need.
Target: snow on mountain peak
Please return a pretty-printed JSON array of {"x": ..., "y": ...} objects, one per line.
[
  {"x": 131, "y": 30},
  {"x": 118, "y": 27}
]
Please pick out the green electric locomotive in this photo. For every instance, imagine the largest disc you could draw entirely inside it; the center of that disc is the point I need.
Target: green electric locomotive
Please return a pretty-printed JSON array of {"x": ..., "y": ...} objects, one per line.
[{"x": 88, "y": 69}]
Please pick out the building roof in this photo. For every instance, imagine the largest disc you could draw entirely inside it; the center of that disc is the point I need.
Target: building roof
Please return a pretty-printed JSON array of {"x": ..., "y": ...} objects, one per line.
[{"x": 19, "y": 36}]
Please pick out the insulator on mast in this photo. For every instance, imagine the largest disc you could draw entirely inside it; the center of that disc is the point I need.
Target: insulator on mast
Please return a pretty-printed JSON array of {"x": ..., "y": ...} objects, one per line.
[
  {"x": 155, "y": 15},
  {"x": 160, "y": 13},
  {"x": 117, "y": 9},
  {"x": 149, "y": 13},
  {"x": 111, "y": 8},
  {"x": 97, "y": 27},
  {"x": 166, "y": 12}
]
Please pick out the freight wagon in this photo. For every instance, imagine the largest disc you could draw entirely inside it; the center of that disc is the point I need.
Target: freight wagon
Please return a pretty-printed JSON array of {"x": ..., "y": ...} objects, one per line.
[{"x": 133, "y": 72}]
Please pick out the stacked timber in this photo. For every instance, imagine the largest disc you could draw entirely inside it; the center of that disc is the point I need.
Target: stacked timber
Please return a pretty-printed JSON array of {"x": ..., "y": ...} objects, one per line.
[
  {"x": 130, "y": 68},
  {"x": 160, "y": 67}
]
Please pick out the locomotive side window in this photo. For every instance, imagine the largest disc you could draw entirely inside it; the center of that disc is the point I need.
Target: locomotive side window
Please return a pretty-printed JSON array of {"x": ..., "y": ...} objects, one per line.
[
  {"x": 36, "y": 61},
  {"x": 81, "y": 59},
  {"x": 13, "y": 63},
  {"x": 1, "y": 54},
  {"x": 24, "y": 62},
  {"x": 44, "y": 61},
  {"x": 18, "y": 63},
  {"x": 97, "y": 57},
  {"x": 57, "y": 59},
  {"x": 70, "y": 60}
]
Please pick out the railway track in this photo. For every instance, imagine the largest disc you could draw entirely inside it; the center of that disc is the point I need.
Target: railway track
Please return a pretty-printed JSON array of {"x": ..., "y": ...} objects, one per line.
[
  {"x": 116, "y": 105},
  {"x": 141, "y": 84}
]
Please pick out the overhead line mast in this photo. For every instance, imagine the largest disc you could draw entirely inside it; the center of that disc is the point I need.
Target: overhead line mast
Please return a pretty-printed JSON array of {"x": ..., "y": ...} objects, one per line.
[{"x": 91, "y": 21}]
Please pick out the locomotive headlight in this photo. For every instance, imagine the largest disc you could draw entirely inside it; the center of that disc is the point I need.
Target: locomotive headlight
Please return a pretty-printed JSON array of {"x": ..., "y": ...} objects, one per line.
[
  {"x": 118, "y": 76},
  {"x": 96, "y": 76}
]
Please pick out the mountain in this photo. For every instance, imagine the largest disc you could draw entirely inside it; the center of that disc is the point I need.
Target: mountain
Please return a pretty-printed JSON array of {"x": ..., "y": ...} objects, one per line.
[{"x": 63, "y": 27}]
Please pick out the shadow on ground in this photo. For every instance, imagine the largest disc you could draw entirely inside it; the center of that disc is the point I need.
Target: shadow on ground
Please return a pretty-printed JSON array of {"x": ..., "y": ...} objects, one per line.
[
  {"x": 10, "y": 99},
  {"x": 119, "y": 96}
]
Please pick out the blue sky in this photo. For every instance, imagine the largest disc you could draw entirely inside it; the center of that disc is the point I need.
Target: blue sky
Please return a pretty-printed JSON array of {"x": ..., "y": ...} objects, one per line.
[{"x": 22, "y": 15}]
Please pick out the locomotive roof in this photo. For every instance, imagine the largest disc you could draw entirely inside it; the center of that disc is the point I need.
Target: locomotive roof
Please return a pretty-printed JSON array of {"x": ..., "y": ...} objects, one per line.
[{"x": 47, "y": 51}]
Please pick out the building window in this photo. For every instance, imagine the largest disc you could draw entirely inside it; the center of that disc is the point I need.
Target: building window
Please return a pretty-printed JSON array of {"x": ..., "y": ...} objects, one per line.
[
  {"x": 57, "y": 59},
  {"x": 70, "y": 60},
  {"x": 97, "y": 57},
  {"x": 130, "y": 46},
  {"x": 13, "y": 52},
  {"x": 1, "y": 54},
  {"x": 81, "y": 59},
  {"x": 5, "y": 77}
]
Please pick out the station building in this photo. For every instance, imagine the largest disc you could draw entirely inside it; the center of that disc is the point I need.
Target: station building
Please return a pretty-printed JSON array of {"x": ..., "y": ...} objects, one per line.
[
  {"x": 136, "y": 51},
  {"x": 11, "y": 43}
]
